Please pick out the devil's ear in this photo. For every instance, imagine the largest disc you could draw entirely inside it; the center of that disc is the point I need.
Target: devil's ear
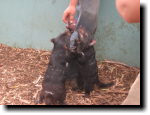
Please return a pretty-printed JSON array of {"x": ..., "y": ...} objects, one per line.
[
  {"x": 53, "y": 40},
  {"x": 92, "y": 43}
]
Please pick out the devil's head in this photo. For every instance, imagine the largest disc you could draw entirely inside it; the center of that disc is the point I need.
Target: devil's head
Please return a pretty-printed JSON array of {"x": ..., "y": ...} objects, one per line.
[{"x": 84, "y": 41}]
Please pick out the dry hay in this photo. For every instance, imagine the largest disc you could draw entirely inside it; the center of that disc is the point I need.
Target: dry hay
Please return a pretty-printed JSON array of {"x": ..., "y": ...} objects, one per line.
[{"x": 22, "y": 70}]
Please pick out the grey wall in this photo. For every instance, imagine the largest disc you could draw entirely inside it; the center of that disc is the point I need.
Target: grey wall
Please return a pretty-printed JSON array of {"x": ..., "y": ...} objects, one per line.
[
  {"x": 31, "y": 23},
  {"x": 116, "y": 39}
]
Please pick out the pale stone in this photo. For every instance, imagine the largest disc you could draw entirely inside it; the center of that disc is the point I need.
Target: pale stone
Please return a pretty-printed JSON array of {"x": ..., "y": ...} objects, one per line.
[{"x": 133, "y": 97}]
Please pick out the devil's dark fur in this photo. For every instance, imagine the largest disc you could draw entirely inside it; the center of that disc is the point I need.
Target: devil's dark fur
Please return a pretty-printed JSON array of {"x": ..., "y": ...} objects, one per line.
[{"x": 65, "y": 65}]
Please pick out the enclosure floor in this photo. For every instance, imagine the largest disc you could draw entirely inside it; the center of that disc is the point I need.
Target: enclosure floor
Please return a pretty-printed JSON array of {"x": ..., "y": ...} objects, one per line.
[{"x": 22, "y": 70}]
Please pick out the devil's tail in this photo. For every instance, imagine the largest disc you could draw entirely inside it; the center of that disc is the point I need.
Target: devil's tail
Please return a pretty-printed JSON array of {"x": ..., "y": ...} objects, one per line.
[{"x": 104, "y": 85}]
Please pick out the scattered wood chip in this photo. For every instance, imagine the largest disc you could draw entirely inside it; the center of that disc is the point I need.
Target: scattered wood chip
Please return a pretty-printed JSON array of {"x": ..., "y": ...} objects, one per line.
[{"x": 22, "y": 71}]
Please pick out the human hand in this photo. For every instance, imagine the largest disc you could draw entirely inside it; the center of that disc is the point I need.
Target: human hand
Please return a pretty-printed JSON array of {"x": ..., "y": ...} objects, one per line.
[{"x": 69, "y": 15}]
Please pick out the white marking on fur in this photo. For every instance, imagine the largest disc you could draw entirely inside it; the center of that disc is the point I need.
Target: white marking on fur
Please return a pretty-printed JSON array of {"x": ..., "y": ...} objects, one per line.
[
  {"x": 67, "y": 64},
  {"x": 49, "y": 92},
  {"x": 82, "y": 54},
  {"x": 92, "y": 63}
]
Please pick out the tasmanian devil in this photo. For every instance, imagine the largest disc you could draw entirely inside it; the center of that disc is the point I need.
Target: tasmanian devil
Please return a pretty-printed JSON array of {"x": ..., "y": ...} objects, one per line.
[
  {"x": 53, "y": 91},
  {"x": 61, "y": 66},
  {"x": 88, "y": 70}
]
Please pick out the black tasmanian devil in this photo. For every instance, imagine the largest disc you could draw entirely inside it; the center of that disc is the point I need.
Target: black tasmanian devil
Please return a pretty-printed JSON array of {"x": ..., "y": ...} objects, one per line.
[
  {"x": 53, "y": 86},
  {"x": 63, "y": 66},
  {"x": 88, "y": 70}
]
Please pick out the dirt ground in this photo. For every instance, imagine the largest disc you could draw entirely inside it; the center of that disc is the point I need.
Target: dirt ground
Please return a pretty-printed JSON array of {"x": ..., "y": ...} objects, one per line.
[{"x": 22, "y": 71}]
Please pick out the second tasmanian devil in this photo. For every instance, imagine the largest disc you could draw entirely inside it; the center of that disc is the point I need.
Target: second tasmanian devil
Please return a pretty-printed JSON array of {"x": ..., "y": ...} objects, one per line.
[{"x": 88, "y": 70}]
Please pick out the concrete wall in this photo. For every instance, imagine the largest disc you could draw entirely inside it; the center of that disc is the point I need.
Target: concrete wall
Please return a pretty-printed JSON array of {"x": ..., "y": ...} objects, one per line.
[
  {"x": 31, "y": 23},
  {"x": 116, "y": 39}
]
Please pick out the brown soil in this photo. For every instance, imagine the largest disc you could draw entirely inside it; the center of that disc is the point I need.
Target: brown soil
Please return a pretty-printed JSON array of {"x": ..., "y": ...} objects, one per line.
[{"x": 22, "y": 70}]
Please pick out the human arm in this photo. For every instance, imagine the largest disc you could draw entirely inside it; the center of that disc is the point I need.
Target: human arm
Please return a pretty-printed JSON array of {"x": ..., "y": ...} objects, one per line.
[{"x": 69, "y": 13}]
